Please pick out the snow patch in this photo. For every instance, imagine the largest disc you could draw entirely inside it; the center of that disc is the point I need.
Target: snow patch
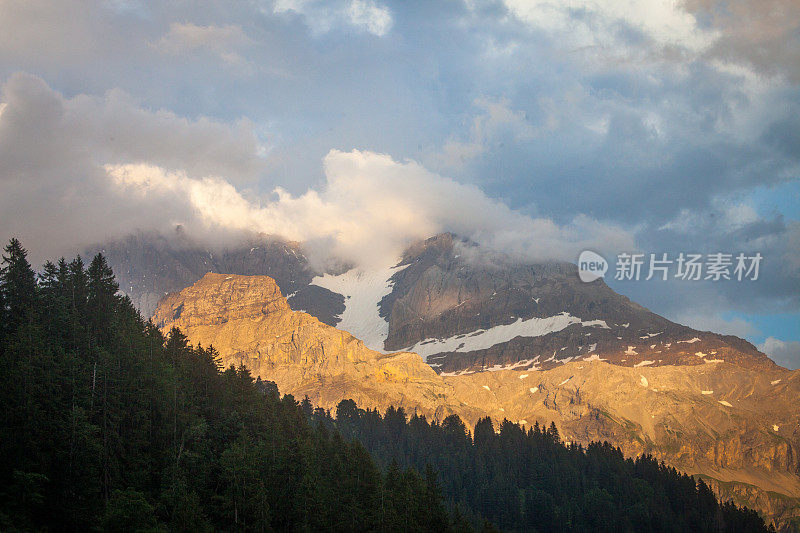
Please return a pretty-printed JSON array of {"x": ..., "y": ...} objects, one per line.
[
  {"x": 524, "y": 363},
  {"x": 592, "y": 347},
  {"x": 362, "y": 291},
  {"x": 631, "y": 351},
  {"x": 643, "y": 381},
  {"x": 691, "y": 341},
  {"x": 534, "y": 390},
  {"x": 593, "y": 357},
  {"x": 775, "y": 427},
  {"x": 523, "y": 376},
  {"x": 483, "y": 339},
  {"x": 565, "y": 381},
  {"x": 459, "y": 373},
  {"x": 706, "y": 392},
  {"x": 643, "y": 363},
  {"x": 775, "y": 382},
  {"x": 486, "y": 387},
  {"x": 596, "y": 324},
  {"x": 700, "y": 354},
  {"x": 523, "y": 422},
  {"x": 726, "y": 404}
]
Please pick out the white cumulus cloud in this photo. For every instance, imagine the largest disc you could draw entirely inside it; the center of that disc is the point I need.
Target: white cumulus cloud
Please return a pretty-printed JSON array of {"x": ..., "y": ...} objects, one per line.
[
  {"x": 78, "y": 170},
  {"x": 369, "y": 209},
  {"x": 785, "y": 353},
  {"x": 55, "y": 193}
]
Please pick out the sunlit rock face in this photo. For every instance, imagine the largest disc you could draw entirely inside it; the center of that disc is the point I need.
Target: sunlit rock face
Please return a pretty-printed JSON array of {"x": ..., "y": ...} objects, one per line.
[
  {"x": 732, "y": 423},
  {"x": 461, "y": 307},
  {"x": 248, "y": 319},
  {"x": 250, "y": 323}
]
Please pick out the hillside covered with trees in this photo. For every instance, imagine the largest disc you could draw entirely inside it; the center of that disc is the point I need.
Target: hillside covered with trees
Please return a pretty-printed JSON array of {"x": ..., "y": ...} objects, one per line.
[
  {"x": 108, "y": 425},
  {"x": 530, "y": 480}
]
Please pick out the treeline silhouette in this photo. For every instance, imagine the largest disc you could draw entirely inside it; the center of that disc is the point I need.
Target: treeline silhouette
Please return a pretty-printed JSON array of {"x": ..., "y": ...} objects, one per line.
[
  {"x": 530, "y": 480},
  {"x": 106, "y": 424}
]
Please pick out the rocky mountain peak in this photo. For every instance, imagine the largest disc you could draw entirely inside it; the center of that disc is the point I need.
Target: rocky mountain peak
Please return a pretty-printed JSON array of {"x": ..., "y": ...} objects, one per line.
[
  {"x": 250, "y": 322},
  {"x": 466, "y": 308},
  {"x": 461, "y": 306}
]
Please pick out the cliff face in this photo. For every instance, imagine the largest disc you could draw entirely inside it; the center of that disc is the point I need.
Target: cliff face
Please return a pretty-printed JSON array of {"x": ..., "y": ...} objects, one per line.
[
  {"x": 249, "y": 320},
  {"x": 725, "y": 421}
]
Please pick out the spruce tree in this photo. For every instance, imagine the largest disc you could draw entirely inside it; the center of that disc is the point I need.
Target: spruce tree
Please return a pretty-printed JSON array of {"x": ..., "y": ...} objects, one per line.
[
  {"x": 101, "y": 298},
  {"x": 17, "y": 287}
]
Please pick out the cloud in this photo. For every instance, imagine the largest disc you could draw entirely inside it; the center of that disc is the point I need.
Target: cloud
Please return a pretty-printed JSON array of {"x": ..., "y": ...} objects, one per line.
[
  {"x": 323, "y": 16},
  {"x": 369, "y": 209},
  {"x": 77, "y": 170},
  {"x": 761, "y": 34},
  {"x": 711, "y": 320},
  {"x": 722, "y": 218},
  {"x": 54, "y": 191},
  {"x": 221, "y": 41},
  {"x": 494, "y": 121},
  {"x": 785, "y": 353},
  {"x": 368, "y": 15},
  {"x": 39, "y": 30},
  {"x": 618, "y": 26}
]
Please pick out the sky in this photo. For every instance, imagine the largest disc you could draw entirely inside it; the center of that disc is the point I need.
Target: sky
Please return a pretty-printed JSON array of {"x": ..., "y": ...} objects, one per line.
[{"x": 540, "y": 128}]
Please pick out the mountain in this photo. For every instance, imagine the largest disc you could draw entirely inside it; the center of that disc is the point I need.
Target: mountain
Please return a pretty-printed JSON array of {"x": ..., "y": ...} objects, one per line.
[
  {"x": 482, "y": 321},
  {"x": 720, "y": 419},
  {"x": 149, "y": 266},
  {"x": 460, "y": 306},
  {"x": 250, "y": 323},
  {"x": 109, "y": 425},
  {"x": 467, "y": 309}
]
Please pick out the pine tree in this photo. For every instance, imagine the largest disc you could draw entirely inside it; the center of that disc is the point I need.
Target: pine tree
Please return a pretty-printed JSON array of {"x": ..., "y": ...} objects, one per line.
[
  {"x": 78, "y": 293},
  {"x": 436, "y": 518},
  {"x": 17, "y": 287},
  {"x": 101, "y": 298}
]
